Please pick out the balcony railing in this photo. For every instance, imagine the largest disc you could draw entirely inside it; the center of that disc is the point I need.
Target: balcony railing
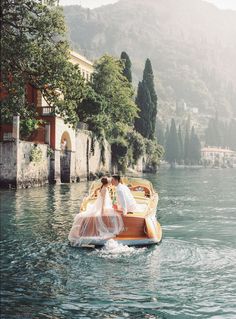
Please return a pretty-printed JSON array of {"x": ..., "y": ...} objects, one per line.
[{"x": 45, "y": 110}]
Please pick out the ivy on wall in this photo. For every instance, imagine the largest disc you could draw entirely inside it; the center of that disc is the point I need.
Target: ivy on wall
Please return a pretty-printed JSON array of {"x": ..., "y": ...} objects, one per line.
[{"x": 36, "y": 154}]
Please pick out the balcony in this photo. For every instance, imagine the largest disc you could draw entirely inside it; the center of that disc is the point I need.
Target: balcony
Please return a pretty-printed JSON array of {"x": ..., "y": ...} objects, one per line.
[{"x": 45, "y": 110}]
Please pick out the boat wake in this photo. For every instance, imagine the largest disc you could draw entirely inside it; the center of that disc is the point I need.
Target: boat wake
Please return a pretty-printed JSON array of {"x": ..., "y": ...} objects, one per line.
[{"x": 112, "y": 249}]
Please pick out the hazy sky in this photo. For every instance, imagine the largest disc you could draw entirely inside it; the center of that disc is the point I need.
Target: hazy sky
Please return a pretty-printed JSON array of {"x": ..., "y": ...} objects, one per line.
[{"x": 223, "y": 4}]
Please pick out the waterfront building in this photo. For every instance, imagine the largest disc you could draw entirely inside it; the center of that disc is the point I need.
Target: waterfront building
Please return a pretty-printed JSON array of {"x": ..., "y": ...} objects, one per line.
[
  {"x": 73, "y": 152},
  {"x": 218, "y": 157},
  {"x": 86, "y": 66},
  {"x": 50, "y": 131}
]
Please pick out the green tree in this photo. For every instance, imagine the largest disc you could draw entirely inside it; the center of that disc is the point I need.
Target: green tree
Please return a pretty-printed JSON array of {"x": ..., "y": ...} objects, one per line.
[
  {"x": 147, "y": 103},
  {"x": 119, "y": 150},
  {"x": 109, "y": 108},
  {"x": 114, "y": 88},
  {"x": 186, "y": 146},
  {"x": 143, "y": 124},
  {"x": 232, "y": 134},
  {"x": 181, "y": 146},
  {"x": 91, "y": 111},
  {"x": 172, "y": 144},
  {"x": 34, "y": 50},
  {"x": 148, "y": 80},
  {"x": 154, "y": 153},
  {"x": 127, "y": 66},
  {"x": 160, "y": 134},
  {"x": 194, "y": 148},
  {"x": 136, "y": 144},
  {"x": 213, "y": 135},
  {"x": 167, "y": 132}
]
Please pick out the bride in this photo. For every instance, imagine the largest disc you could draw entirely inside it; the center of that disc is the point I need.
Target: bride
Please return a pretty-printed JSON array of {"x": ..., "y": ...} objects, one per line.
[{"x": 99, "y": 220}]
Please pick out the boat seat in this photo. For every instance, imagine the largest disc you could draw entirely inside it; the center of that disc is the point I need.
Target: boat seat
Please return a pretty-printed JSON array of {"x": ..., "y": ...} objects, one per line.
[
  {"x": 140, "y": 188},
  {"x": 138, "y": 193},
  {"x": 141, "y": 208}
]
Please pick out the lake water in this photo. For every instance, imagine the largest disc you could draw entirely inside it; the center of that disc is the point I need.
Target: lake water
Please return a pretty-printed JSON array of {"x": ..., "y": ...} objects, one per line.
[{"x": 192, "y": 274}]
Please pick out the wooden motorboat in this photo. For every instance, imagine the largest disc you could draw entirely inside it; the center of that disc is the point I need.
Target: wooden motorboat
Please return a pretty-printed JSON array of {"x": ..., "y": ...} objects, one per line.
[{"x": 141, "y": 227}]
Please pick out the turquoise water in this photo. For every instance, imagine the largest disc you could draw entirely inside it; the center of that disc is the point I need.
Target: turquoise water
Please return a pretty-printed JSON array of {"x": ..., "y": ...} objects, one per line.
[{"x": 192, "y": 274}]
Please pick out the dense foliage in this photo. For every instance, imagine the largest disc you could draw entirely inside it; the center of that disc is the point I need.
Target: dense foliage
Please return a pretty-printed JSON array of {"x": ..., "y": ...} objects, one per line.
[
  {"x": 110, "y": 83},
  {"x": 154, "y": 153},
  {"x": 172, "y": 144},
  {"x": 110, "y": 112},
  {"x": 177, "y": 151},
  {"x": 34, "y": 50},
  {"x": 28, "y": 127},
  {"x": 108, "y": 107}
]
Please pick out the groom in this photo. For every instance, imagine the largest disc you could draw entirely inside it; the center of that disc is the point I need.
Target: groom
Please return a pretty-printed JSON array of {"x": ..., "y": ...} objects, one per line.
[{"x": 125, "y": 200}]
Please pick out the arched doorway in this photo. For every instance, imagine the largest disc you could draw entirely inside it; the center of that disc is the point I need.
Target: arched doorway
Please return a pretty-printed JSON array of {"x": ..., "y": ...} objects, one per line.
[{"x": 65, "y": 157}]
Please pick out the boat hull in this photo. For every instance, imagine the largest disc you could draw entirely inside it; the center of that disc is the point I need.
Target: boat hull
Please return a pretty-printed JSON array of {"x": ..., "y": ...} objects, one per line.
[
  {"x": 128, "y": 242},
  {"x": 151, "y": 238}
]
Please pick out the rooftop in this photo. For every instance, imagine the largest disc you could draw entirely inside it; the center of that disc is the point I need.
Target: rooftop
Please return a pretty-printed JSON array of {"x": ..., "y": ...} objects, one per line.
[
  {"x": 81, "y": 57},
  {"x": 216, "y": 149}
]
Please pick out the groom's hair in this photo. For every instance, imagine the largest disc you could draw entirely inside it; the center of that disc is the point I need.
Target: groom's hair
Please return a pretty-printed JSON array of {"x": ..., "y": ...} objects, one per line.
[{"x": 117, "y": 177}]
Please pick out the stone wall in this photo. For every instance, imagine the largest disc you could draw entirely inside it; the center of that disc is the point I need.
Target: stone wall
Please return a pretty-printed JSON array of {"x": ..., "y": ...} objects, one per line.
[
  {"x": 85, "y": 159},
  {"x": 88, "y": 160},
  {"x": 18, "y": 167},
  {"x": 139, "y": 167},
  {"x": 8, "y": 164},
  {"x": 30, "y": 171},
  {"x": 82, "y": 146}
]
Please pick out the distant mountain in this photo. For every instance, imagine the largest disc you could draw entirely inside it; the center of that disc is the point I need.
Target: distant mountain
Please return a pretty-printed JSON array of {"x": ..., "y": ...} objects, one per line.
[{"x": 191, "y": 43}]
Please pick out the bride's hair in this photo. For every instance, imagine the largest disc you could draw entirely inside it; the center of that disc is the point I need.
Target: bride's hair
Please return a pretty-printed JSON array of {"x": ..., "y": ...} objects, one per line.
[{"x": 104, "y": 181}]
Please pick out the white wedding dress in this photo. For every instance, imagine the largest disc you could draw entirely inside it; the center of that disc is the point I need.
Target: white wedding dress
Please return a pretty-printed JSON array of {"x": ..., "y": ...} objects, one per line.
[{"x": 99, "y": 221}]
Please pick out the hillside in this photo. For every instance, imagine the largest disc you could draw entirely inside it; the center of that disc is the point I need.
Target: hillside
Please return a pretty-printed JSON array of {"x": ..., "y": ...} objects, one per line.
[{"x": 191, "y": 43}]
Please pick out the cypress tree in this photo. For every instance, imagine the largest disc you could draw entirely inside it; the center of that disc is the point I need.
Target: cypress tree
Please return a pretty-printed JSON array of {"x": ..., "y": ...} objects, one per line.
[
  {"x": 186, "y": 146},
  {"x": 197, "y": 149},
  {"x": 181, "y": 146},
  {"x": 212, "y": 134},
  {"x": 167, "y": 132},
  {"x": 191, "y": 146},
  {"x": 218, "y": 137},
  {"x": 172, "y": 144},
  {"x": 143, "y": 124},
  {"x": 160, "y": 136},
  {"x": 224, "y": 134},
  {"x": 148, "y": 80},
  {"x": 127, "y": 66},
  {"x": 232, "y": 135},
  {"x": 209, "y": 134},
  {"x": 194, "y": 148}
]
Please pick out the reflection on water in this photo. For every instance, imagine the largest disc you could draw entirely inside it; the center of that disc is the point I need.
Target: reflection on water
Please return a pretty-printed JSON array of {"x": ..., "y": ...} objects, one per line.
[{"x": 190, "y": 275}]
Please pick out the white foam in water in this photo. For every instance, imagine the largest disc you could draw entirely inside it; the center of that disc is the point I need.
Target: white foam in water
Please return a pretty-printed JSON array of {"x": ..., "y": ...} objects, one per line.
[{"x": 113, "y": 249}]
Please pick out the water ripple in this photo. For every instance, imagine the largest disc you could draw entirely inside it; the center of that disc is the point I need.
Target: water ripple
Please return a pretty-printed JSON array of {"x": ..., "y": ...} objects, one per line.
[{"x": 190, "y": 275}]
